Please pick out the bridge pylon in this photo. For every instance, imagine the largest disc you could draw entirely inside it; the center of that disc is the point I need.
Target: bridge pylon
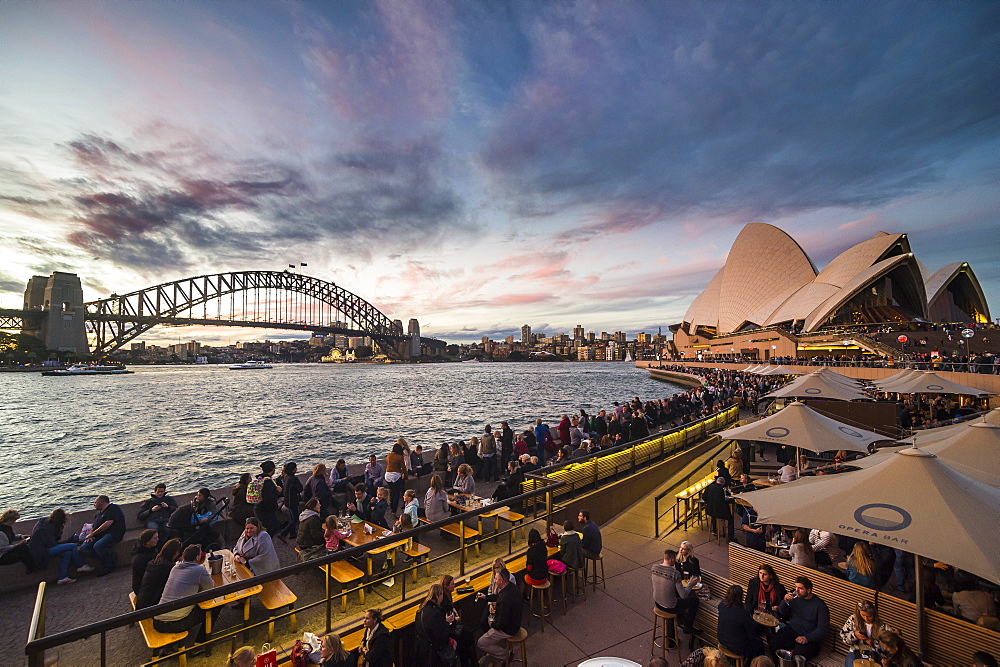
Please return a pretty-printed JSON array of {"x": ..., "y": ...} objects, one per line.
[{"x": 60, "y": 296}]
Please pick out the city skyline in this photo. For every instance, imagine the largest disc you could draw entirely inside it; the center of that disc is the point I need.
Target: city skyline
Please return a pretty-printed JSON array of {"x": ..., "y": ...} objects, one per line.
[{"x": 481, "y": 166}]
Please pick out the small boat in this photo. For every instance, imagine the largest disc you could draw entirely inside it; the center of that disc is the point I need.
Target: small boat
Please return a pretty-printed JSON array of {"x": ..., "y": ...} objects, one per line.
[
  {"x": 249, "y": 365},
  {"x": 90, "y": 369}
]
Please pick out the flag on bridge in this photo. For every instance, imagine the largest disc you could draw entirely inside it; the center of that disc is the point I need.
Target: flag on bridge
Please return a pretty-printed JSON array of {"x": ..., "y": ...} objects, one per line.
[
  {"x": 303, "y": 264},
  {"x": 291, "y": 266}
]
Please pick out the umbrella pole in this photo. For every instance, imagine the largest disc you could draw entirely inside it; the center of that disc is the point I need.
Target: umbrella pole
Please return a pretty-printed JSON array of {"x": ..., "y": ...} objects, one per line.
[{"x": 918, "y": 593}]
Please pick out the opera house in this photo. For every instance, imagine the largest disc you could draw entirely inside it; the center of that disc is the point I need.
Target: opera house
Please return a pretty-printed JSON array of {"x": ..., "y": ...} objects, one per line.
[{"x": 768, "y": 299}]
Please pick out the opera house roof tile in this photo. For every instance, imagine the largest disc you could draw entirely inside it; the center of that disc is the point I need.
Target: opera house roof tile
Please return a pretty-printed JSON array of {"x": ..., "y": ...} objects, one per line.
[{"x": 768, "y": 280}]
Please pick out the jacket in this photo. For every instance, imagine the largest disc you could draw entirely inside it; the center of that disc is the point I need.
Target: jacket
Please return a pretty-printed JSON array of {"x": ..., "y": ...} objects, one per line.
[
  {"x": 316, "y": 488},
  {"x": 570, "y": 546},
  {"x": 507, "y": 618},
  {"x": 753, "y": 592},
  {"x": 537, "y": 562},
  {"x": 432, "y": 632},
  {"x": 43, "y": 538},
  {"x": 153, "y": 583},
  {"x": 259, "y": 552},
  {"x": 737, "y": 630},
  {"x": 379, "y": 648},
  {"x": 146, "y": 513},
  {"x": 310, "y": 530}
]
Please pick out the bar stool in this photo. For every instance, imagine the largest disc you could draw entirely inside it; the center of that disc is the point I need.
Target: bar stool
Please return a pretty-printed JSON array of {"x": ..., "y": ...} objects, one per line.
[
  {"x": 517, "y": 640},
  {"x": 578, "y": 578},
  {"x": 562, "y": 584},
  {"x": 660, "y": 620},
  {"x": 735, "y": 658},
  {"x": 544, "y": 611},
  {"x": 594, "y": 576},
  {"x": 721, "y": 529}
]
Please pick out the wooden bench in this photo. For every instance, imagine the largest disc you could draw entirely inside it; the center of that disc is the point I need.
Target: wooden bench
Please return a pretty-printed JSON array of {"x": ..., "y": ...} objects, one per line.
[
  {"x": 515, "y": 519},
  {"x": 157, "y": 640},
  {"x": 947, "y": 639},
  {"x": 344, "y": 573},
  {"x": 416, "y": 552},
  {"x": 275, "y": 595},
  {"x": 458, "y": 529}
]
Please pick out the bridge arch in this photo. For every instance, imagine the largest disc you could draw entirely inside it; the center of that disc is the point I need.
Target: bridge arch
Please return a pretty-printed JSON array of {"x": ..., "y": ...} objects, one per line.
[{"x": 307, "y": 303}]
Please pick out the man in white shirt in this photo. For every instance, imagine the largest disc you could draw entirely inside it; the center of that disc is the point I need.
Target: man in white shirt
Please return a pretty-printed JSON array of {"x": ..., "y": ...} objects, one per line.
[{"x": 788, "y": 473}]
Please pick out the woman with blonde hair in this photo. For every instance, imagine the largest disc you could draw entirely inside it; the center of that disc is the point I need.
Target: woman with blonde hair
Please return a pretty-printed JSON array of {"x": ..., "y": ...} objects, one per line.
[
  {"x": 687, "y": 563},
  {"x": 705, "y": 657},
  {"x": 244, "y": 656},
  {"x": 861, "y": 631},
  {"x": 861, "y": 566},
  {"x": 465, "y": 482},
  {"x": 332, "y": 653},
  {"x": 433, "y": 625}
]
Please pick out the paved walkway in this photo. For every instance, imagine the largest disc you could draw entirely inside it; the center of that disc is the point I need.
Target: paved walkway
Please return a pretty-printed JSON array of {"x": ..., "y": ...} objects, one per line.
[{"x": 617, "y": 620}]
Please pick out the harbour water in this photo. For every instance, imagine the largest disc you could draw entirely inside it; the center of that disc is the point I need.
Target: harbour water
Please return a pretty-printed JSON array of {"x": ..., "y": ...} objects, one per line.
[{"x": 65, "y": 440}]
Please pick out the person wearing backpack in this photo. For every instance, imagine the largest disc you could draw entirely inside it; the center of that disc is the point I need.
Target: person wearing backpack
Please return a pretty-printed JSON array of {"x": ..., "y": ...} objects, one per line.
[{"x": 263, "y": 494}]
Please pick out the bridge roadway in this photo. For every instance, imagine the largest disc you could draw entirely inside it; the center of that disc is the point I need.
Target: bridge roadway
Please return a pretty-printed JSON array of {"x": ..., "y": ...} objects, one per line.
[{"x": 188, "y": 321}]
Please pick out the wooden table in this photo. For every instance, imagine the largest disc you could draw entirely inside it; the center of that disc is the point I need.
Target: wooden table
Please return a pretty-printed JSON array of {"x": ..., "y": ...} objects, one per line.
[
  {"x": 360, "y": 538},
  {"x": 239, "y": 573}
]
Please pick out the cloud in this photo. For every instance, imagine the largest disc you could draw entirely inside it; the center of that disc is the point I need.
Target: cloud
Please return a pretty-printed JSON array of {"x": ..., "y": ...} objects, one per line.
[
  {"x": 762, "y": 112},
  {"x": 180, "y": 203}
]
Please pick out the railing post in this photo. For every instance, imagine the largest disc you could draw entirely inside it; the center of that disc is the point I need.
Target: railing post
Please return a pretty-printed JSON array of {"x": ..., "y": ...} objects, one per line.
[
  {"x": 656, "y": 515},
  {"x": 548, "y": 509},
  {"x": 329, "y": 601},
  {"x": 461, "y": 546}
]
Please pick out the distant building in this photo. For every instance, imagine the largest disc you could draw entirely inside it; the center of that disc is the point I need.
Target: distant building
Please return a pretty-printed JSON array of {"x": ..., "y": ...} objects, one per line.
[
  {"x": 578, "y": 332},
  {"x": 526, "y": 335}
]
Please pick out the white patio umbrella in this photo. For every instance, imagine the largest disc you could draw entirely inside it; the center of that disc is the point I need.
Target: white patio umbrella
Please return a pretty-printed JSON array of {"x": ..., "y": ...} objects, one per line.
[
  {"x": 831, "y": 375},
  {"x": 816, "y": 386},
  {"x": 929, "y": 435},
  {"x": 798, "y": 425},
  {"x": 895, "y": 378},
  {"x": 912, "y": 500},
  {"x": 929, "y": 382},
  {"x": 780, "y": 370}
]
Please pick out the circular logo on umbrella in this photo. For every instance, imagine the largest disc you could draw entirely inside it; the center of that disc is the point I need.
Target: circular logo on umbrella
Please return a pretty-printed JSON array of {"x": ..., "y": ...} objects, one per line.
[
  {"x": 847, "y": 430},
  {"x": 934, "y": 387},
  {"x": 777, "y": 432},
  {"x": 812, "y": 390},
  {"x": 881, "y": 516}
]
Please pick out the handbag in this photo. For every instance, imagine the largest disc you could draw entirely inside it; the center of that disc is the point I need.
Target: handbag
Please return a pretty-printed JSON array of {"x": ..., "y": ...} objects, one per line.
[
  {"x": 268, "y": 657},
  {"x": 299, "y": 655}
]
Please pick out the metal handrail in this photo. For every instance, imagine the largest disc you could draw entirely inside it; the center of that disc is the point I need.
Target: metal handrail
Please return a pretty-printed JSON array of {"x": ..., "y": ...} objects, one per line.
[
  {"x": 684, "y": 484},
  {"x": 36, "y": 645}
]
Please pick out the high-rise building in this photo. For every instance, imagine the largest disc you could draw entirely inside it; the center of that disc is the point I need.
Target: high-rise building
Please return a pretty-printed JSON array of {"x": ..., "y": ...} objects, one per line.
[
  {"x": 526, "y": 334},
  {"x": 620, "y": 336},
  {"x": 578, "y": 332},
  {"x": 642, "y": 338},
  {"x": 591, "y": 336}
]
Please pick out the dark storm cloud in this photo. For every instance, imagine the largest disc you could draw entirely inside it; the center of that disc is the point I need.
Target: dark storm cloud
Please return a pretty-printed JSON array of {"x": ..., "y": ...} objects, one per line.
[
  {"x": 757, "y": 109},
  {"x": 172, "y": 206},
  {"x": 10, "y": 283}
]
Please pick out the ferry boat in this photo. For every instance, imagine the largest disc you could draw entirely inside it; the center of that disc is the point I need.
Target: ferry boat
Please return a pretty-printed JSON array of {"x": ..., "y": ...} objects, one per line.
[
  {"x": 249, "y": 365},
  {"x": 90, "y": 369}
]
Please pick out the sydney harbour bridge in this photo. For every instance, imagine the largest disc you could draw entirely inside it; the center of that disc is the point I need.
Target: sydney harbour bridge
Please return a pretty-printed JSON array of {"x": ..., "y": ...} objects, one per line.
[{"x": 55, "y": 311}]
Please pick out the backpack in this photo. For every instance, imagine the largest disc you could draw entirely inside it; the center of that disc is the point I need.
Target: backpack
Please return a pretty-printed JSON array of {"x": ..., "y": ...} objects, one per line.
[{"x": 254, "y": 489}]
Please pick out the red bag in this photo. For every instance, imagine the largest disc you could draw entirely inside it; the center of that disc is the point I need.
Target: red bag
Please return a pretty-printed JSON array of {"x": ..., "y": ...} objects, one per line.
[
  {"x": 268, "y": 658},
  {"x": 552, "y": 540},
  {"x": 300, "y": 655}
]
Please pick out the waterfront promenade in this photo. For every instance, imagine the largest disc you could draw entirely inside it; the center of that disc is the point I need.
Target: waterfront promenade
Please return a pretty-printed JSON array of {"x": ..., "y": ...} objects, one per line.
[{"x": 615, "y": 620}]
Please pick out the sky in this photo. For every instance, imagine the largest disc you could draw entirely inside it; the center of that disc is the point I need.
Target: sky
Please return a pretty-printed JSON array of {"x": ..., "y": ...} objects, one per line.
[{"x": 480, "y": 165}]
